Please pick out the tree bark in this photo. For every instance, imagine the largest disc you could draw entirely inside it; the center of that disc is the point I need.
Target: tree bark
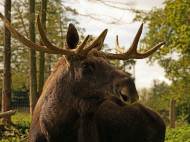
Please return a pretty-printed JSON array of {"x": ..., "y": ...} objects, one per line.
[
  {"x": 32, "y": 58},
  {"x": 42, "y": 55},
  {"x": 6, "y": 92},
  {"x": 172, "y": 113}
]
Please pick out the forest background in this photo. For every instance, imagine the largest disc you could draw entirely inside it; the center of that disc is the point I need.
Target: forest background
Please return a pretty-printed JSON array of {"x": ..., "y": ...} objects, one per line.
[{"x": 170, "y": 23}]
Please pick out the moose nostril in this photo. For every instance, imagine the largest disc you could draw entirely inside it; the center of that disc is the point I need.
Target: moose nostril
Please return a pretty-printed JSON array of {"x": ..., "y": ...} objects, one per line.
[
  {"x": 125, "y": 98},
  {"x": 133, "y": 101}
]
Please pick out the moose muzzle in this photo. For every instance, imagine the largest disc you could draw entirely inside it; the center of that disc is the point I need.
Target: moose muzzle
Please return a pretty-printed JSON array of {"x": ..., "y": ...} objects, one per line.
[{"x": 126, "y": 90}]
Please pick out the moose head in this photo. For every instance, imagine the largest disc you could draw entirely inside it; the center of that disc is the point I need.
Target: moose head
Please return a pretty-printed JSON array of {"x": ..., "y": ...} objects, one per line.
[{"x": 81, "y": 81}]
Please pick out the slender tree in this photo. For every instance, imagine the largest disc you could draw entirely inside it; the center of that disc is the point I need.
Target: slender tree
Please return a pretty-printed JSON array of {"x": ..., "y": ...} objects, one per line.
[
  {"x": 42, "y": 61},
  {"x": 32, "y": 57},
  {"x": 57, "y": 19},
  {"x": 6, "y": 93}
]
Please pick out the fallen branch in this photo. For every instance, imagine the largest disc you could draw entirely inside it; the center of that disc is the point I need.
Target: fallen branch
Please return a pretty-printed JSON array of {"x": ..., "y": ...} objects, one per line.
[{"x": 7, "y": 113}]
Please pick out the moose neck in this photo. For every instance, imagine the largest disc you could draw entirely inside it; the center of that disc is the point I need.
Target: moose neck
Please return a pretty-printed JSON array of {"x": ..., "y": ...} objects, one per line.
[{"x": 87, "y": 130}]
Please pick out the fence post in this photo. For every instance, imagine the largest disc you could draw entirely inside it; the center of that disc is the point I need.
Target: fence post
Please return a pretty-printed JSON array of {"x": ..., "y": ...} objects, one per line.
[{"x": 172, "y": 113}]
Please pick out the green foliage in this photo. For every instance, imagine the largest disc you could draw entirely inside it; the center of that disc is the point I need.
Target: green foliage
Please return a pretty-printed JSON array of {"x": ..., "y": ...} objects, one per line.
[
  {"x": 179, "y": 134},
  {"x": 157, "y": 98},
  {"x": 58, "y": 17},
  {"x": 17, "y": 132},
  {"x": 20, "y": 81},
  {"x": 22, "y": 121},
  {"x": 172, "y": 25}
]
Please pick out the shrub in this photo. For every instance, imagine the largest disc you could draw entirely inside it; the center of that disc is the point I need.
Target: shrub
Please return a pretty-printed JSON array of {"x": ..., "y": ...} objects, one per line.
[
  {"x": 18, "y": 132},
  {"x": 179, "y": 134}
]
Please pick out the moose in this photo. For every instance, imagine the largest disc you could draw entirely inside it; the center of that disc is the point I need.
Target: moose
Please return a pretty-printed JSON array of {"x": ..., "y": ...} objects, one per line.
[{"x": 85, "y": 99}]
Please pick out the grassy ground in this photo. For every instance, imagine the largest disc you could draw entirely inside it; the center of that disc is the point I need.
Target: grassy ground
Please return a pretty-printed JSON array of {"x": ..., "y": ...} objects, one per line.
[
  {"x": 178, "y": 134},
  {"x": 19, "y": 131}
]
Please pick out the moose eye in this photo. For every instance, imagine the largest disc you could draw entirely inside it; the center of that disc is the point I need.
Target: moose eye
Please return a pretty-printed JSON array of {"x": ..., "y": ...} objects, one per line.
[
  {"x": 86, "y": 65},
  {"x": 87, "y": 68}
]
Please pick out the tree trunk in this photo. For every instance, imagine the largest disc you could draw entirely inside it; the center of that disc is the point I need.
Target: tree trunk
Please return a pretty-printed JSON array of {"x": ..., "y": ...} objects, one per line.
[
  {"x": 172, "y": 113},
  {"x": 6, "y": 93},
  {"x": 42, "y": 61},
  {"x": 32, "y": 58}
]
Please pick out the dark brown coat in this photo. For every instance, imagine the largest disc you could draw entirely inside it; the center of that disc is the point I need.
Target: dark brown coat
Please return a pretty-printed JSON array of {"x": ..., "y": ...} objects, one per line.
[
  {"x": 68, "y": 109},
  {"x": 85, "y": 98},
  {"x": 73, "y": 93},
  {"x": 134, "y": 123}
]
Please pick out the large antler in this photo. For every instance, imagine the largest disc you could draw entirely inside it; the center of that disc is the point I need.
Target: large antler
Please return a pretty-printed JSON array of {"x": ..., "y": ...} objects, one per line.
[
  {"x": 132, "y": 52},
  {"x": 82, "y": 49}
]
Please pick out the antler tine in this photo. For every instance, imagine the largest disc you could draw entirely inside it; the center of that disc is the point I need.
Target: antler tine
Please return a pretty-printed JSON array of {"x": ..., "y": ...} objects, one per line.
[
  {"x": 132, "y": 52},
  {"x": 95, "y": 43},
  {"x": 151, "y": 51},
  {"x": 54, "y": 49},
  {"x": 133, "y": 49},
  {"x": 22, "y": 39},
  {"x": 103, "y": 35},
  {"x": 117, "y": 46},
  {"x": 77, "y": 51},
  {"x": 43, "y": 35},
  {"x": 82, "y": 45}
]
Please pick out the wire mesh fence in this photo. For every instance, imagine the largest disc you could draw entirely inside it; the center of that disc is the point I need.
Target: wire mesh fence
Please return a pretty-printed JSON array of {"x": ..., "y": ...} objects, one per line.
[{"x": 19, "y": 100}]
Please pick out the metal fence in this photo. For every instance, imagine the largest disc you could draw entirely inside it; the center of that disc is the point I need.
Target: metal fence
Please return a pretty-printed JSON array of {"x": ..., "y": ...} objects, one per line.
[{"x": 20, "y": 100}]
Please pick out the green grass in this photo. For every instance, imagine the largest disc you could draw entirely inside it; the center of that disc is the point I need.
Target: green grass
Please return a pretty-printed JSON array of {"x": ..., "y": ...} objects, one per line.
[
  {"x": 22, "y": 121},
  {"x": 178, "y": 134},
  {"x": 18, "y": 132}
]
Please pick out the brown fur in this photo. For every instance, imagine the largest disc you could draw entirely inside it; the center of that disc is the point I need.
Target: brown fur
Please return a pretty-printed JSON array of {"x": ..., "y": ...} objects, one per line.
[
  {"x": 82, "y": 102},
  {"x": 84, "y": 98},
  {"x": 66, "y": 108},
  {"x": 72, "y": 93},
  {"x": 134, "y": 123}
]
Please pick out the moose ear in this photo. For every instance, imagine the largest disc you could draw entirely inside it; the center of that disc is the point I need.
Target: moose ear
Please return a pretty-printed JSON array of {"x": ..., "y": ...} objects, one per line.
[{"x": 72, "y": 37}]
